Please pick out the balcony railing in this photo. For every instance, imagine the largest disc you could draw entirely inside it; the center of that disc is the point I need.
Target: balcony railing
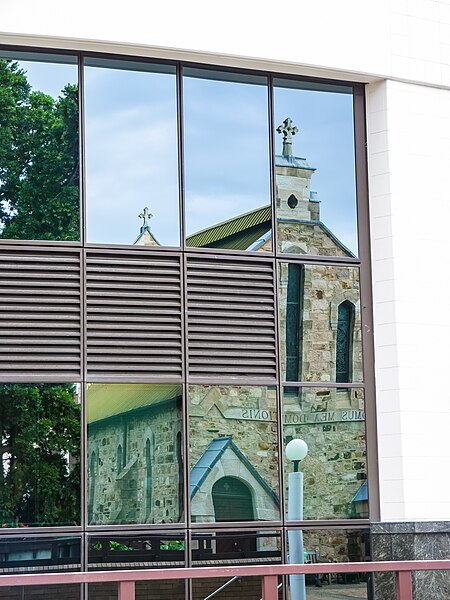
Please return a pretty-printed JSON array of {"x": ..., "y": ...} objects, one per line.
[{"x": 269, "y": 574}]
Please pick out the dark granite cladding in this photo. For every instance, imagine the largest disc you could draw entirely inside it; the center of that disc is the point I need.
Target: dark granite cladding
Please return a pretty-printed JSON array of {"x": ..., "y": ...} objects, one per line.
[{"x": 412, "y": 541}]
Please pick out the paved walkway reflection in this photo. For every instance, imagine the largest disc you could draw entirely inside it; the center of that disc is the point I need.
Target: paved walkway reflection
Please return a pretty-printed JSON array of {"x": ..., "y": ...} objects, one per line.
[{"x": 337, "y": 592}]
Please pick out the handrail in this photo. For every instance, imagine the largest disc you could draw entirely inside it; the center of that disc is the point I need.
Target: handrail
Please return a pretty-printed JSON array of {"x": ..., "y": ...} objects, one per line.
[
  {"x": 268, "y": 573},
  {"x": 222, "y": 587}
]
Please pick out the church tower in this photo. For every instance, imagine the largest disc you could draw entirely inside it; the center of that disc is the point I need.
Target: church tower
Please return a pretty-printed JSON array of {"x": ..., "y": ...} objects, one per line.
[{"x": 293, "y": 177}]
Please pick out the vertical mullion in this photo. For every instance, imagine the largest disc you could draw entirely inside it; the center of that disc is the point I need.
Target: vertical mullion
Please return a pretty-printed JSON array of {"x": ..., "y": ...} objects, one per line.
[
  {"x": 180, "y": 129},
  {"x": 365, "y": 276},
  {"x": 273, "y": 186}
]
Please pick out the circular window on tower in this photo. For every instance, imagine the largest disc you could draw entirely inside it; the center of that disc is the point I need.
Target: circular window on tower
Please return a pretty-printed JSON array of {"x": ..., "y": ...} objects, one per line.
[{"x": 292, "y": 201}]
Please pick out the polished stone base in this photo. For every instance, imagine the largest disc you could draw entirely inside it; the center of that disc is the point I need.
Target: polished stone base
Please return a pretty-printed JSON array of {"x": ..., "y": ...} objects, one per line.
[{"x": 428, "y": 540}]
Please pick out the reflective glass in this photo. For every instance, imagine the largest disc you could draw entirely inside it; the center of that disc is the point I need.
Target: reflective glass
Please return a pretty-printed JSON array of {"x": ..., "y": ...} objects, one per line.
[
  {"x": 233, "y": 548},
  {"x": 131, "y": 153},
  {"x": 332, "y": 423},
  {"x": 315, "y": 169},
  {"x": 39, "y": 147},
  {"x": 40, "y": 471},
  {"x": 140, "y": 551},
  {"x": 227, "y": 185},
  {"x": 233, "y": 453},
  {"x": 28, "y": 555},
  {"x": 329, "y": 546},
  {"x": 135, "y": 453},
  {"x": 320, "y": 323}
]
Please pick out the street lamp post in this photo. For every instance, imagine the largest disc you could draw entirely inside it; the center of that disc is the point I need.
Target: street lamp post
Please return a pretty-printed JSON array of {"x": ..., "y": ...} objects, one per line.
[{"x": 296, "y": 451}]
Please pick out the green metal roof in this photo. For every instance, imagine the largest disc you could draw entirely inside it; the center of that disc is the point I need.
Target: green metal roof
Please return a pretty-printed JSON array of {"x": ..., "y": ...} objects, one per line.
[
  {"x": 237, "y": 233},
  {"x": 107, "y": 400}
]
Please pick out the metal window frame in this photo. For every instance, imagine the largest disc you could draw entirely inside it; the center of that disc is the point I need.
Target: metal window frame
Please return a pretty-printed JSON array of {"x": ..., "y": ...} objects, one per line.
[{"x": 186, "y": 528}]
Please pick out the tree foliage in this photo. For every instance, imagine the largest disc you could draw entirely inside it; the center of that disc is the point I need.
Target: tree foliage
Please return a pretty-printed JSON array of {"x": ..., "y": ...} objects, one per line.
[
  {"x": 39, "y": 159},
  {"x": 40, "y": 448}
]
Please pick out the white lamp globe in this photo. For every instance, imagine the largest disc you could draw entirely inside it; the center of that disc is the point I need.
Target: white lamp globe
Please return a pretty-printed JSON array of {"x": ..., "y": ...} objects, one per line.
[{"x": 296, "y": 450}]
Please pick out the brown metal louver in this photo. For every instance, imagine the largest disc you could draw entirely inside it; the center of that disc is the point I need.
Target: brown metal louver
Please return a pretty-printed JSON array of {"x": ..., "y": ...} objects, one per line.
[
  {"x": 40, "y": 315},
  {"x": 133, "y": 315},
  {"x": 231, "y": 318}
]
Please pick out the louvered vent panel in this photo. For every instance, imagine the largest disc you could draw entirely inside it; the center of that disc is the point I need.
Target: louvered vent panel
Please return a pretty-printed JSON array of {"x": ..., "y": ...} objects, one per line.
[
  {"x": 231, "y": 319},
  {"x": 40, "y": 314},
  {"x": 133, "y": 315}
]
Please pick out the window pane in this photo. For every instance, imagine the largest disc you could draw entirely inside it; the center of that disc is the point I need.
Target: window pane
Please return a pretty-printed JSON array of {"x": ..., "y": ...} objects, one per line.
[
  {"x": 330, "y": 546},
  {"x": 39, "y": 555},
  {"x": 39, "y": 148},
  {"x": 315, "y": 169},
  {"x": 135, "y": 456},
  {"x": 131, "y": 153},
  {"x": 233, "y": 548},
  {"x": 144, "y": 551},
  {"x": 332, "y": 423},
  {"x": 320, "y": 323},
  {"x": 233, "y": 453},
  {"x": 40, "y": 475},
  {"x": 226, "y": 161}
]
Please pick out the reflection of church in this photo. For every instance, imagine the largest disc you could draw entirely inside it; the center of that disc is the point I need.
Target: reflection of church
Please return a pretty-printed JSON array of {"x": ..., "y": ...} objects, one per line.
[{"x": 134, "y": 435}]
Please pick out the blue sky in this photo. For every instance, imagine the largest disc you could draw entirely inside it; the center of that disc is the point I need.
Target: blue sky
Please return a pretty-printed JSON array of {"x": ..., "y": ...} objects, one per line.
[{"x": 131, "y": 149}]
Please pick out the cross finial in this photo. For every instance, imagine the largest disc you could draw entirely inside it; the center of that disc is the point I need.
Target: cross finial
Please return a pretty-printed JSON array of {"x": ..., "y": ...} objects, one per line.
[
  {"x": 146, "y": 216},
  {"x": 288, "y": 131}
]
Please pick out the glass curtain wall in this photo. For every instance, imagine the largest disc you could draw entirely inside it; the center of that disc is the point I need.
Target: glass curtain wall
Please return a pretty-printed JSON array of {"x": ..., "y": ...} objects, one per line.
[{"x": 235, "y": 194}]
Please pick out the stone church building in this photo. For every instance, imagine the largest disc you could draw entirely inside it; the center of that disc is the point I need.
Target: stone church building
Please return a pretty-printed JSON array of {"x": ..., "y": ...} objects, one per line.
[{"x": 134, "y": 430}]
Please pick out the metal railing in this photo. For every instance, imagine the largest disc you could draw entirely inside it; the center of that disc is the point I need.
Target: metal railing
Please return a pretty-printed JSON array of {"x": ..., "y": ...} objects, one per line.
[{"x": 269, "y": 574}]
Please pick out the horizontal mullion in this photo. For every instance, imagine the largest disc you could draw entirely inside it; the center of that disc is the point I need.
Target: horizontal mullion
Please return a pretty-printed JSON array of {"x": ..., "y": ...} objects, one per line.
[
  {"x": 172, "y": 342},
  {"x": 35, "y": 348},
  {"x": 100, "y": 329},
  {"x": 212, "y": 327},
  {"x": 50, "y": 315},
  {"x": 244, "y": 369},
  {"x": 233, "y": 266},
  {"x": 36, "y": 307},
  {"x": 225, "y": 336},
  {"x": 133, "y": 359},
  {"x": 132, "y": 299},
  {"x": 133, "y": 317},
  {"x": 139, "y": 286},
  {"x": 210, "y": 290},
  {"x": 113, "y": 261},
  {"x": 26, "y": 299},
  {"x": 4, "y": 359},
  {"x": 211, "y": 315},
  {"x": 149, "y": 367},
  {"x": 227, "y": 346},
  {"x": 252, "y": 282},
  {"x": 157, "y": 350},
  {"x": 231, "y": 352},
  {"x": 29, "y": 255},
  {"x": 131, "y": 310}
]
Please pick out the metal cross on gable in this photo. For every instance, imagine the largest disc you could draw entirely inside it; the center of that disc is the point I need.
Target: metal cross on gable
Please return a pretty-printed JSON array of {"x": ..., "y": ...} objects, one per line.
[
  {"x": 288, "y": 131},
  {"x": 146, "y": 215}
]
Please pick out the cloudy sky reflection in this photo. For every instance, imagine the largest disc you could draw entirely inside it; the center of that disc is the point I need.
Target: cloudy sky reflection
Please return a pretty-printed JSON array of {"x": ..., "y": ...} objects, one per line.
[{"x": 131, "y": 149}]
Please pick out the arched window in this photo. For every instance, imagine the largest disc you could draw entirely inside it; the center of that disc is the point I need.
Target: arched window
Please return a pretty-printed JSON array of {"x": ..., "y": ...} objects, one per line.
[
  {"x": 180, "y": 473},
  {"x": 148, "y": 477},
  {"x": 344, "y": 338},
  {"x": 232, "y": 500},
  {"x": 93, "y": 462},
  {"x": 294, "y": 323},
  {"x": 119, "y": 459}
]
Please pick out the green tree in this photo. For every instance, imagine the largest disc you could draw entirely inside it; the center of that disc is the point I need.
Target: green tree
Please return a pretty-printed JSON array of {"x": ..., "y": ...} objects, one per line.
[
  {"x": 39, "y": 159},
  {"x": 40, "y": 450}
]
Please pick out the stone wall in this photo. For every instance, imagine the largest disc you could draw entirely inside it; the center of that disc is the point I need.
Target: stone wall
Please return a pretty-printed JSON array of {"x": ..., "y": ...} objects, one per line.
[
  {"x": 257, "y": 439},
  {"x": 412, "y": 541},
  {"x": 120, "y": 494},
  {"x": 335, "y": 466}
]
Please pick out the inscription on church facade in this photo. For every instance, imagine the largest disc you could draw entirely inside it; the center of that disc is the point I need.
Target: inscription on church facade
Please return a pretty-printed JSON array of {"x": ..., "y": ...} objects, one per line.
[{"x": 295, "y": 418}]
